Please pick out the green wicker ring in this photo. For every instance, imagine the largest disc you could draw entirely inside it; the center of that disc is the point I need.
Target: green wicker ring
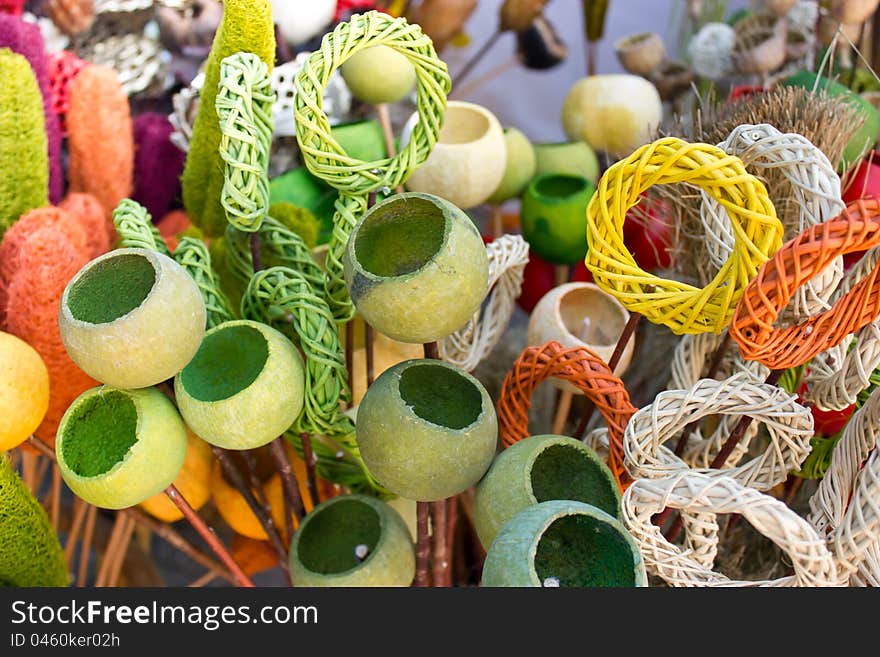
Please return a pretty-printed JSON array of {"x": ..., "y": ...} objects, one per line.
[{"x": 326, "y": 159}]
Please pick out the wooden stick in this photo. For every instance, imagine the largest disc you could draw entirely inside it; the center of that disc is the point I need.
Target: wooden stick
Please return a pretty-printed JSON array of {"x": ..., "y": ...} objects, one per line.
[
  {"x": 85, "y": 549},
  {"x": 440, "y": 557},
  {"x": 563, "y": 407},
  {"x": 296, "y": 510},
  {"x": 207, "y": 578},
  {"x": 210, "y": 537},
  {"x": 627, "y": 333},
  {"x": 113, "y": 545},
  {"x": 309, "y": 457},
  {"x": 475, "y": 59},
  {"x": 234, "y": 476},
  {"x": 349, "y": 356},
  {"x": 122, "y": 550},
  {"x": 423, "y": 545},
  {"x": 497, "y": 221},
  {"x": 79, "y": 515},
  {"x": 29, "y": 471},
  {"x": 256, "y": 257},
  {"x": 451, "y": 525},
  {"x": 473, "y": 85},
  {"x": 368, "y": 348},
  {"x": 56, "y": 496},
  {"x": 387, "y": 133},
  {"x": 726, "y": 450}
]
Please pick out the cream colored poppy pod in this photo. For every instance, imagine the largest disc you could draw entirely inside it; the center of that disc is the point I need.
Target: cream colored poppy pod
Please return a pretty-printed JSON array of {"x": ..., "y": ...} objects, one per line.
[
  {"x": 118, "y": 448},
  {"x": 614, "y": 113},
  {"x": 352, "y": 540},
  {"x": 469, "y": 159},
  {"x": 301, "y": 21},
  {"x": 379, "y": 75},
  {"x": 581, "y": 315},
  {"x": 132, "y": 318},
  {"x": 640, "y": 53},
  {"x": 244, "y": 387},
  {"x": 416, "y": 268}
]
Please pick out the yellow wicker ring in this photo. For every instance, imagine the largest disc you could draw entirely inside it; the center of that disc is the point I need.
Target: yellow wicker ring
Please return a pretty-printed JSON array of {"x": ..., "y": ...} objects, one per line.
[{"x": 680, "y": 306}]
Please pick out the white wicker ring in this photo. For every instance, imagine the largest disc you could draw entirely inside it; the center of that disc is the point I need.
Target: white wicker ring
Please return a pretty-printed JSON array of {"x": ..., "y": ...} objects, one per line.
[{"x": 696, "y": 493}]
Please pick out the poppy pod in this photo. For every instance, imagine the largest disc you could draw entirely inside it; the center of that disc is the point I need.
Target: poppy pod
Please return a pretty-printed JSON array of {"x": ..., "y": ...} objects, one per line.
[
  {"x": 538, "y": 469},
  {"x": 117, "y": 448},
  {"x": 581, "y": 315},
  {"x": 468, "y": 162},
  {"x": 554, "y": 217},
  {"x": 379, "y": 75},
  {"x": 243, "y": 388},
  {"x": 411, "y": 255},
  {"x": 427, "y": 430},
  {"x": 640, "y": 53},
  {"x": 566, "y": 544},
  {"x": 520, "y": 166},
  {"x": 132, "y": 318},
  {"x": 573, "y": 157},
  {"x": 352, "y": 540},
  {"x": 24, "y": 391}
]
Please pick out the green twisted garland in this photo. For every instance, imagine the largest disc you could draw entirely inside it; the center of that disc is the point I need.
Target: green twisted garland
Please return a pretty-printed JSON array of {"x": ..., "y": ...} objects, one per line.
[
  {"x": 325, "y": 158},
  {"x": 193, "y": 256},
  {"x": 284, "y": 299},
  {"x": 135, "y": 228},
  {"x": 244, "y": 106},
  {"x": 284, "y": 248}
]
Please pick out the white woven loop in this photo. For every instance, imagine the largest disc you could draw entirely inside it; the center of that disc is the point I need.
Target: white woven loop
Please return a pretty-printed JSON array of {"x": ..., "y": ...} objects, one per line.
[
  {"x": 868, "y": 573},
  {"x": 789, "y": 427},
  {"x": 695, "y": 493},
  {"x": 829, "y": 502},
  {"x": 860, "y": 529},
  {"x": 837, "y": 376},
  {"x": 467, "y": 347},
  {"x": 688, "y": 364},
  {"x": 815, "y": 188},
  {"x": 138, "y": 60}
]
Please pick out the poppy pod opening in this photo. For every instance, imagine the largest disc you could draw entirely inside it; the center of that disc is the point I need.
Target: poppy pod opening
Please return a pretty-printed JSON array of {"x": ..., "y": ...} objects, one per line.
[
  {"x": 554, "y": 217},
  {"x": 352, "y": 540},
  {"x": 427, "y": 430},
  {"x": 131, "y": 318},
  {"x": 408, "y": 256}
]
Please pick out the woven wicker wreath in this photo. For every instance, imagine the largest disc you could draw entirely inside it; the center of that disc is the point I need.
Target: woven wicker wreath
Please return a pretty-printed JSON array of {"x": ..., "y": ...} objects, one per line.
[
  {"x": 468, "y": 346},
  {"x": 695, "y": 492},
  {"x": 789, "y": 428},
  {"x": 837, "y": 376},
  {"x": 580, "y": 367},
  {"x": 688, "y": 365},
  {"x": 326, "y": 159},
  {"x": 846, "y": 505},
  {"x": 682, "y": 307},
  {"x": 814, "y": 189},
  {"x": 753, "y": 326}
]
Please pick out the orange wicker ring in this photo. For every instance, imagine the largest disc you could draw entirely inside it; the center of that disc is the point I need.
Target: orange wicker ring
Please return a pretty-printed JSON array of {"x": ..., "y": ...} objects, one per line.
[
  {"x": 856, "y": 229},
  {"x": 583, "y": 369}
]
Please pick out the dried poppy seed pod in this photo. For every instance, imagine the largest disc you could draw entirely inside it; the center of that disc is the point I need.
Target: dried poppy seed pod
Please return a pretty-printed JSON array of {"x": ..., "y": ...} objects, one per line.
[
  {"x": 379, "y": 75},
  {"x": 132, "y": 318},
  {"x": 565, "y": 544},
  {"x": 427, "y": 430},
  {"x": 24, "y": 391},
  {"x": 352, "y": 540},
  {"x": 244, "y": 386},
  {"x": 117, "y": 448}
]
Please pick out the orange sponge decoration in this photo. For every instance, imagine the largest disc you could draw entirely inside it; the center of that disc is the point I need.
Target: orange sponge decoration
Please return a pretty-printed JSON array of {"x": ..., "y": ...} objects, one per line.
[
  {"x": 47, "y": 260},
  {"x": 89, "y": 213},
  {"x": 100, "y": 140}
]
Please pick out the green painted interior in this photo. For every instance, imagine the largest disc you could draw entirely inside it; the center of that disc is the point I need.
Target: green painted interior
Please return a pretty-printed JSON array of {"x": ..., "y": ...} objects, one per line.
[
  {"x": 328, "y": 540},
  {"x": 400, "y": 237},
  {"x": 111, "y": 288},
  {"x": 560, "y": 186},
  {"x": 228, "y": 361},
  {"x": 582, "y": 551},
  {"x": 441, "y": 395},
  {"x": 99, "y": 433},
  {"x": 562, "y": 472}
]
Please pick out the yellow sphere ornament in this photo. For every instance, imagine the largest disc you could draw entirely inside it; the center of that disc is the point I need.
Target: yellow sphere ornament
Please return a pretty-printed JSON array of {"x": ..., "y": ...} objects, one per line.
[{"x": 24, "y": 391}]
